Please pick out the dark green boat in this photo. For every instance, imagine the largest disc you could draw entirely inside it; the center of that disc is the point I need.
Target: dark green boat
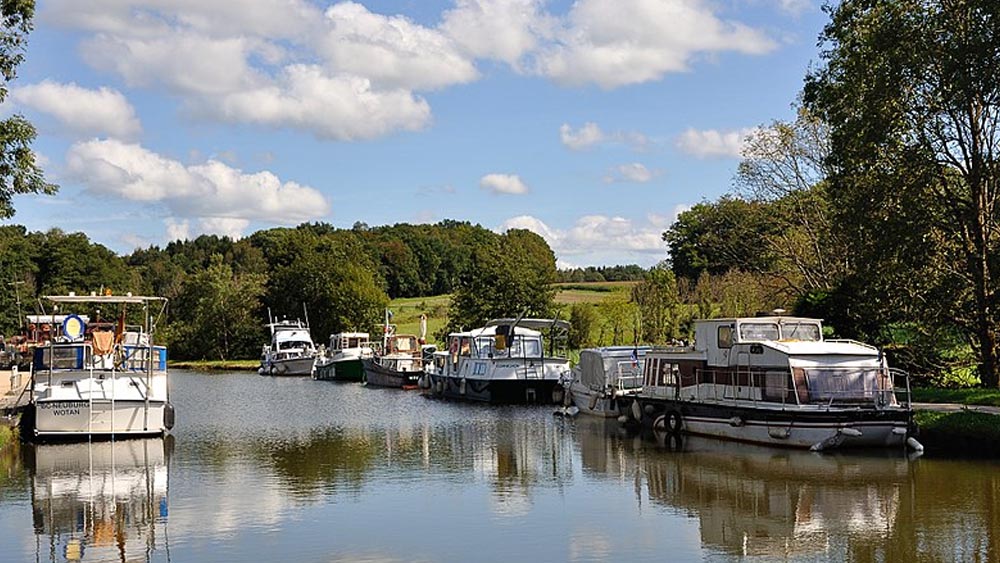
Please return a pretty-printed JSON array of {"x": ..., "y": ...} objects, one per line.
[{"x": 341, "y": 361}]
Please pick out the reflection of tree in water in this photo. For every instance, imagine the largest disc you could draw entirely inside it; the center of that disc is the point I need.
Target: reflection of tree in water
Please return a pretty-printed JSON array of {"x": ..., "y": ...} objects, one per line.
[
  {"x": 14, "y": 477},
  {"x": 322, "y": 460}
]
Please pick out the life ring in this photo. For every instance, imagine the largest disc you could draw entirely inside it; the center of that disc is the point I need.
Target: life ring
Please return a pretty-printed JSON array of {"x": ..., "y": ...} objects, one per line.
[
  {"x": 660, "y": 423},
  {"x": 675, "y": 423}
]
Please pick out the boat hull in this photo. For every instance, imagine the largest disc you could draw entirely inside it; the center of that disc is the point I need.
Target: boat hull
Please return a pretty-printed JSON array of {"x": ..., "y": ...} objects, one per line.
[
  {"x": 289, "y": 367},
  {"x": 817, "y": 429},
  {"x": 498, "y": 391},
  {"x": 377, "y": 375},
  {"x": 594, "y": 403},
  {"x": 81, "y": 419},
  {"x": 344, "y": 370}
]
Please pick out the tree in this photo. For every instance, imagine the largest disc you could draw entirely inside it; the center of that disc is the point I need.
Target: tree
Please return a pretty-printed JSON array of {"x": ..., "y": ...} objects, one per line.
[
  {"x": 657, "y": 300},
  {"x": 620, "y": 314},
  {"x": 582, "y": 321},
  {"x": 504, "y": 279},
  {"x": 911, "y": 92},
  {"x": 19, "y": 170}
]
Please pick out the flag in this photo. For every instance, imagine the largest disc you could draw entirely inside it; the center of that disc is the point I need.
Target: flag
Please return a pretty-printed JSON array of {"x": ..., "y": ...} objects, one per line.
[{"x": 635, "y": 357}]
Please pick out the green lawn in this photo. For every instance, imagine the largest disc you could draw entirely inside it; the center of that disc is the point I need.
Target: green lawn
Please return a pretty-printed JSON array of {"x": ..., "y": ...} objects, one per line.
[
  {"x": 973, "y": 396},
  {"x": 406, "y": 314},
  {"x": 962, "y": 433}
]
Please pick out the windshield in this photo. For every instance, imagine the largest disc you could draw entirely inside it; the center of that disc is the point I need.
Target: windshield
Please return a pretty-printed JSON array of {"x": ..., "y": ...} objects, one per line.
[
  {"x": 758, "y": 331},
  {"x": 800, "y": 331}
]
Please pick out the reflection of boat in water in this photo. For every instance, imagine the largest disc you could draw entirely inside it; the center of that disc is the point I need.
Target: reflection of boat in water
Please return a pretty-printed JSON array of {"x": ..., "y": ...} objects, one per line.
[
  {"x": 757, "y": 501},
  {"x": 105, "y": 379},
  {"x": 100, "y": 500},
  {"x": 774, "y": 380}
]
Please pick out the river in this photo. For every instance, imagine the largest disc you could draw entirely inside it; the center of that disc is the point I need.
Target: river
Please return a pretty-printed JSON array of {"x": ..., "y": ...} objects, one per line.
[{"x": 290, "y": 469}]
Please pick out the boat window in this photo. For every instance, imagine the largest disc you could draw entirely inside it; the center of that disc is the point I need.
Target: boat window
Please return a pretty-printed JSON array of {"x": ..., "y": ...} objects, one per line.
[
  {"x": 800, "y": 331},
  {"x": 750, "y": 332},
  {"x": 523, "y": 347},
  {"x": 652, "y": 367},
  {"x": 485, "y": 347},
  {"x": 725, "y": 337},
  {"x": 846, "y": 384},
  {"x": 292, "y": 344}
]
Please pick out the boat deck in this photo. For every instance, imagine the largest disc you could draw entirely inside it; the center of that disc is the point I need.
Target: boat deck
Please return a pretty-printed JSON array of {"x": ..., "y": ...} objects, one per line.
[{"x": 13, "y": 397}]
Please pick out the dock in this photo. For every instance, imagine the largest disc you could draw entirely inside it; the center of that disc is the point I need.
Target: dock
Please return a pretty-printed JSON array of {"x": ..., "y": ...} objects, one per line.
[{"x": 13, "y": 391}]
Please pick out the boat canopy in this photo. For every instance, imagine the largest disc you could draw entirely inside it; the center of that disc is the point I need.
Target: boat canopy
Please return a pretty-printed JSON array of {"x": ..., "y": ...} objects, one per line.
[
  {"x": 127, "y": 298},
  {"x": 600, "y": 367},
  {"x": 534, "y": 324}
]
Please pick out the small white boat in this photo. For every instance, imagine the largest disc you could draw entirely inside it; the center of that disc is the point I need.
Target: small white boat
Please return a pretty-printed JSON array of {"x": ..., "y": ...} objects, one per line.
[
  {"x": 106, "y": 379},
  {"x": 603, "y": 375},
  {"x": 291, "y": 351},
  {"x": 774, "y": 380},
  {"x": 400, "y": 361},
  {"x": 504, "y": 362},
  {"x": 342, "y": 359}
]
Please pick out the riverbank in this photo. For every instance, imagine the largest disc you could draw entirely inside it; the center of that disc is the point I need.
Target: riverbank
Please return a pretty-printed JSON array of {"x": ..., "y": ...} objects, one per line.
[
  {"x": 8, "y": 434},
  {"x": 968, "y": 396},
  {"x": 216, "y": 365},
  {"x": 959, "y": 433}
]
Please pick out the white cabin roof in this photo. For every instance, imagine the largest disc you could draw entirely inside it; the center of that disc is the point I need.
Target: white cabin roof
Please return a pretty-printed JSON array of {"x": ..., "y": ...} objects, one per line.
[
  {"x": 349, "y": 335},
  {"x": 492, "y": 331}
]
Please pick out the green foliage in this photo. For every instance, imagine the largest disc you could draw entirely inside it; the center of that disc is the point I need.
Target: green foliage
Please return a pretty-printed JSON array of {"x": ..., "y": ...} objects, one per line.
[
  {"x": 658, "y": 301},
  {"x": 19, "y": 170},
  {"x": 967, "y": 433},
  {"x": 70, "y": 262},
  {"x": 217, "y": 314},
  {"x": 621, "y": 318},
  {"x": 507, "y": 276},
  {"x": 967, "y": 396},
  {"x": 911, "y": 91},
  {"x": 630, "y": 272},
  {"x": 583, "y": 320}
]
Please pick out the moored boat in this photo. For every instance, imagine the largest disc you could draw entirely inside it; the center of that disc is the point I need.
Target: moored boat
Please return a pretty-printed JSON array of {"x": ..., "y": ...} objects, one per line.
[
  {"x": 503, "y": 363},
  {"x": 342, "y": 359},
  {"x": 291, "y": 351},
  {"x": 776, "y": 381},
  {"x": 603, "y": 375},
  {"x": 103, "y": 379}
]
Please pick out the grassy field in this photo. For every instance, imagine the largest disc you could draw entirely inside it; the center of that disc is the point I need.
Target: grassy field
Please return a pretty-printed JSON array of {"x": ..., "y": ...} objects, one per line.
[
  {"x": 216, "y": 365},
  {"x": 588, "y": 292},
  {"x": 407, "y": 311}
]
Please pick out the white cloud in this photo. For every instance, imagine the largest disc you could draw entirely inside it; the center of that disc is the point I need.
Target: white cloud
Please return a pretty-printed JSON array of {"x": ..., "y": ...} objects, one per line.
[
  {"x": 391, "y": 51},
  {"x": 81, "y": 110},
  {"x": 505, "y": 30},
  {"x": 583, "y": 138},
  {"x": 595, "y": 239},
  {"x": 714, "y": 143},
  {"x": 503, "y": 184},
  {"x": 332, "y": 107},
  {"x": 224, "y": 226},
  {"x": 221, "y": 196},
  {"x": 178, "y": 229},
  {"x": 632, "y": 172},
  {"x": 590, "y": 135},
  {"x": 618, "y": 42}
]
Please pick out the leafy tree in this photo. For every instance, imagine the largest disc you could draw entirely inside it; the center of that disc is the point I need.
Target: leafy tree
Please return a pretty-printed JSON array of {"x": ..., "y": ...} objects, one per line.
[
  {"x": 911, "y": 92},
  {"x": 218, "y": 314},
  {"x": 504, "y": 279},
  {"x": 19, "y": 170},
  {"x": 582, "y": 322},
  {"x": 620, "y": 316},
  {"x": 70, "y": 262},
  {"x": 658, "y": 300}
]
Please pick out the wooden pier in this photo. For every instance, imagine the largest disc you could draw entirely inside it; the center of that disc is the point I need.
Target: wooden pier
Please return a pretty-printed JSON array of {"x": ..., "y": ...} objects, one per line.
[{"x": 13, "y": 391}]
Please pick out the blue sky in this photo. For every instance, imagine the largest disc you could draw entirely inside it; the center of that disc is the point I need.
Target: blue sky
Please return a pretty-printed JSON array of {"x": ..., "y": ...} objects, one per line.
[{"x": 591, "y": 122}]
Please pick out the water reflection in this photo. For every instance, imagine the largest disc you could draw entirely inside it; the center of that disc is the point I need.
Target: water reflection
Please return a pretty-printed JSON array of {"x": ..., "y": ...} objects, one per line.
[
  {"x": 296, "y": 470},
  {"x": 100, "y": 501}
]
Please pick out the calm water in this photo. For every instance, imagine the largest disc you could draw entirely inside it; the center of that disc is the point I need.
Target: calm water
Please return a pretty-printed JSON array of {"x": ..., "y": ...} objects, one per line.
[{"x": 262, "y": 469}]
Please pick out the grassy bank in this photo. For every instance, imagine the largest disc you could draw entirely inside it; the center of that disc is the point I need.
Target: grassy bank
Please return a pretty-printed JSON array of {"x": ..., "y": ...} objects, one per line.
[
  {"x": 975, "y": 396},
  {"x": 8, "y": 435},
  {"x": 216, "y": 365},
  {"x": 962, "y": 433}
]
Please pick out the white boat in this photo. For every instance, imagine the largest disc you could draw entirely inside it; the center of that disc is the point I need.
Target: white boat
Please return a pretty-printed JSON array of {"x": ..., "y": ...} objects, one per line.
[
  {"x": 503, "y": 362},
  {"x": 291, "y": 351},
  {"x": 107, "y": 379},
  {"x": 399, "y": 362},
  {"x": 341, "y": 360},
  {"x": 774, "y": 380},
  {"x": 603, "y": 375}
]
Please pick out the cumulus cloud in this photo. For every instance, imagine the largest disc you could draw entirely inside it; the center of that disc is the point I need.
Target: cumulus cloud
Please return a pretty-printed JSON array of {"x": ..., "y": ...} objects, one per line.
[
  {"x": 505, "y": 30},
  {"x": 333, "y": 107},
  {"x": 82, "y": 111},
  {"x": 618, "y": 42},
  {"x": 597, "y": 238},
  {"x": 392, "y": 51},
  {"x": 714, "y": 143},
  {"x": 178, "y": 229},
  {"x": 223, "y": 198},
  {"x": 590, "y": 135},
  {"x": 634, "y": 172},
  {"x": 503, "y": 184}
]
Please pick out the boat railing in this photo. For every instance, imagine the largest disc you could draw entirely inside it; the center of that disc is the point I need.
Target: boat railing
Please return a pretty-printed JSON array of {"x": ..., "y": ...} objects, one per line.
[
  {"x": 729, "y": 385},
  {"x": 628, "y": 376},
  {"x": 851, "y": 341}
]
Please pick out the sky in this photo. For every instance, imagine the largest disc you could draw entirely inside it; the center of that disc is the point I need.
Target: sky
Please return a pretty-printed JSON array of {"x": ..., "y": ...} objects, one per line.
[{"x": 593, "y": 123}]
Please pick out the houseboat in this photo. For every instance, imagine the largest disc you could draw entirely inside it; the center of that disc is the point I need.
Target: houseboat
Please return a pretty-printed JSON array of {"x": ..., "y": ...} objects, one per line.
[
  {"x": 103, "y": 379},
  {"x": 291, "y": 351},
  {"x": 399, "y": 361},
  {"x": 342, "y": 359},
  {"x": 773, "y": 380},
  {"x": 503, "y": 362},
  {"x": 603, "y": 375}
]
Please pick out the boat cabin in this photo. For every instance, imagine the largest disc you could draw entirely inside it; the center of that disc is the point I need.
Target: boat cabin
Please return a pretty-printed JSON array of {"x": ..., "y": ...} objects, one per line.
[
  {"x": 348, "y": 340},
  {"x": 772, "y": 359},
  {"x": 616, "y": 367}
]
